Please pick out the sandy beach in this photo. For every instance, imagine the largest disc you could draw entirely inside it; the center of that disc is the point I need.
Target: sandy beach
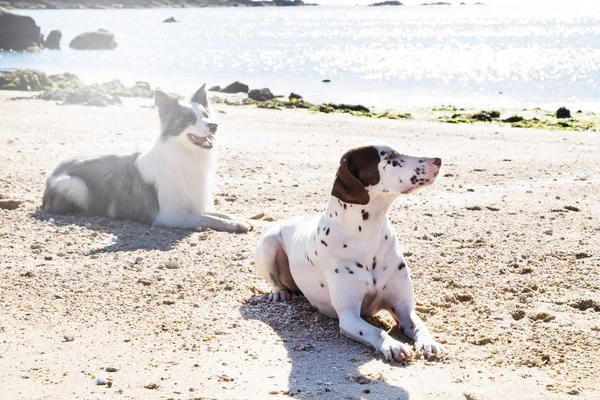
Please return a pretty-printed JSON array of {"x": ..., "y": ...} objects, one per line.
[{"x": 503, "y": 248}]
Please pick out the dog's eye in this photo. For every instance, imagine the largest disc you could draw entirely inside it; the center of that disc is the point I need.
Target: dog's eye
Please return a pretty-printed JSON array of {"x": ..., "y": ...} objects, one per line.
[{"x": 189, "y": 119}]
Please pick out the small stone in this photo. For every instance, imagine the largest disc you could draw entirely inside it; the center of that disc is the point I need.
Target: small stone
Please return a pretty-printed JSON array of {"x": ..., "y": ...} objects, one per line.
[
  {"x": 258, "y": 216},
  {"x": 101, "y": 381},
  {"x": 36, "y": 246},
  {"x": 152, "y": 386},
  {"x": 138, "y": 260},
  {"x": 171, "y": 265},
  {"x": 549, "y": 232},
  {"x": 111, "y": 369},
  {"x": 48, "y": 258},
  {"x": 69, "y": 338},
  {"x": 109, "y": 384},
  {"x": 145, "y": 282}
]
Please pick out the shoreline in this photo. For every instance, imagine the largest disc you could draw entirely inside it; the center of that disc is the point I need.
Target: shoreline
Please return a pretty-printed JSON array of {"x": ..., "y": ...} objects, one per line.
[{"x": 59, "y": 87}]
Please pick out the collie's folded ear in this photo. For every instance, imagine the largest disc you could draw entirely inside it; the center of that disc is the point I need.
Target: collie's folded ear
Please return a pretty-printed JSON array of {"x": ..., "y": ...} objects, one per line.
[
  {"x": 347, "y": 188},
  {"x": 200, "y": 97},
  {"x": 163, "y": 101}
]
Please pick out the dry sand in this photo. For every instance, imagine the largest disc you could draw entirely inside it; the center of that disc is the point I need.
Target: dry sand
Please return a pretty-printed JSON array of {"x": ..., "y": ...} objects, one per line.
[{"x": 506, "y": 276}]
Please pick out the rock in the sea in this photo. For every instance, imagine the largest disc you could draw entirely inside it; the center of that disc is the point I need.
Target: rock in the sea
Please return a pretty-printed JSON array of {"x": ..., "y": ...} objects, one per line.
[
  {"x": 215, "y": 88},
  {"x": 235, "y": 87},
  {"x": 99, "y": 40},
  {"x": 563, "y": 112},
  {"x": 439, "y": 3},
  {"x": 26, "y": 79},
  {"x": 53, "y": 40},
  {"x": 387, "y": 3},
  {"x": 260, "y": 94},
  {"x": 19, "y": 32},
  {"x": 170, "y": 20}
]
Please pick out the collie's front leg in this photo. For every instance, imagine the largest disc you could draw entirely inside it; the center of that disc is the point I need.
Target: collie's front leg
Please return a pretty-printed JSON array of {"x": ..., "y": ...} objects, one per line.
[{"x": 195, "y": 221}]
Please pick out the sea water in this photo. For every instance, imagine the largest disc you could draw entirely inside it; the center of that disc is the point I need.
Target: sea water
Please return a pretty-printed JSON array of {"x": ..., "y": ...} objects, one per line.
[{"x": 501, "y": 54}]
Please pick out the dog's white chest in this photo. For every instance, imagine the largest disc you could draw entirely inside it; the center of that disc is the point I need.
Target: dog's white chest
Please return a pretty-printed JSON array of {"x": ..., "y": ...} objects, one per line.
[
  {"x": 327, "y": 264},
  {"x": 183, "y": 181}
]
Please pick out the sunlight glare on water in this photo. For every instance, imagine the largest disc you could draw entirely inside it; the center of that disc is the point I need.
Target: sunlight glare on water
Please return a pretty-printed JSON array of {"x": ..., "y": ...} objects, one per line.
[{"x": 506, "y": 53}]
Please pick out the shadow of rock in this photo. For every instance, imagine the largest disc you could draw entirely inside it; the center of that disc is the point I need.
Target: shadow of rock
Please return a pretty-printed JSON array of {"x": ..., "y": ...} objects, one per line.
[
  {"x": 325, "y": 364},
  {"x": 128, "y": 235}
]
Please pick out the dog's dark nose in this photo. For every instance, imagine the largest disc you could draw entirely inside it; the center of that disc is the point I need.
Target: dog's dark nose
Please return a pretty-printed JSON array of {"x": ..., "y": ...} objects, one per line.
[
  {"x": 437, "y": 161},
  {"x": 212, "y": 127}
]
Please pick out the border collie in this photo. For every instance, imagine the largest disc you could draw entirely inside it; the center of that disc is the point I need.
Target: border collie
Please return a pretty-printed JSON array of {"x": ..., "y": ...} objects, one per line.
[{"x": 169, "y": 185}]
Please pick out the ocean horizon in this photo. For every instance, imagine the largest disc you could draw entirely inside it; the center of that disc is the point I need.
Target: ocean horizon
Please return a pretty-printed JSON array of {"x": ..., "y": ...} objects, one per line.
[{"x": 503, "y": 54}]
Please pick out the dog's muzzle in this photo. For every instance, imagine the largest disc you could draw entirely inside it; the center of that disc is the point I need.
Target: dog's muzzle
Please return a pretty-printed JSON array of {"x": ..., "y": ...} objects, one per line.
[{"x": 205, "y": 142}]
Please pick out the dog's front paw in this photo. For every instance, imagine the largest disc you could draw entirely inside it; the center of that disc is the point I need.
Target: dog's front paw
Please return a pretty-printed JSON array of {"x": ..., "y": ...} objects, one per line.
[
  {"x": 393, "y": 349},
  {"x": 428, "y": 347},
  {"x": 241, "y": 227},
  {"x": 279, "y": 295}
]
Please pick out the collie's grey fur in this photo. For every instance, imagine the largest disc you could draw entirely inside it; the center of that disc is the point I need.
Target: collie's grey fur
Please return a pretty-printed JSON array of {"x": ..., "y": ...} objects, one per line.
[{"x": 115, "y": 188}]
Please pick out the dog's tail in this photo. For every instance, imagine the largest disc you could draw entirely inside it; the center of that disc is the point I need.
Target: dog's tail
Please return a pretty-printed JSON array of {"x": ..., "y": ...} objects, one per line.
[{"x": 65, "y": 194}]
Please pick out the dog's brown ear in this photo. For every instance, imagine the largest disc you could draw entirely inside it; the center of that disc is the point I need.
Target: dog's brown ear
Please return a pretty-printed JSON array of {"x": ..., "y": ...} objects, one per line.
[
  {"x": 200, "y": 97},
  {"x": 348, "y": 188}
]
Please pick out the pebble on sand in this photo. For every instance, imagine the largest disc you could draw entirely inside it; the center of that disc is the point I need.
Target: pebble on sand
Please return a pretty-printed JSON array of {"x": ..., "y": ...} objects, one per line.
[{"x": 101, "y": 381}]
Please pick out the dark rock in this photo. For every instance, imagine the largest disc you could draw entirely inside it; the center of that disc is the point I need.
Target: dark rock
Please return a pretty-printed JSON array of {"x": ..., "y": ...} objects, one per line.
[
  {"x": 170, "y": 20},
  {"x": 563, "y": 113},
  {"x": 387, "y": 3},
  {"x": 283, "y": 3},
  {"x": 215, "y": 88},
  {"x": 235, "y": 87},
  {"x": 326, "y": 80},
  {"x": 98, "y": 40},
  {"x": 514, "y": 118},
  {"x": 53, "y": 40},
  {"x": 324, "y": 108},
  {"x": 27, "y": 79},
  {"x": 486, "y": 116},
  {"x": 294, "y": 97},
  {"x": 19, "y": 32},
  {"x": 349, "y": 107},
  {"x": 260, "y": 94}
]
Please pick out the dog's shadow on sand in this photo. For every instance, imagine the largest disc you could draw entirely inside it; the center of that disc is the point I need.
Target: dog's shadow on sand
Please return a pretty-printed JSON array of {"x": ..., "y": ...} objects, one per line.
[
  {"x": 325, "y": 364},
  {"x": 126, "y": 235}
]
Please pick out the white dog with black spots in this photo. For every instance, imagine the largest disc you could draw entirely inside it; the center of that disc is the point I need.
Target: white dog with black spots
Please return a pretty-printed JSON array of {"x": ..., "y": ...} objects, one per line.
[{"x": 347, "y": 261}]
